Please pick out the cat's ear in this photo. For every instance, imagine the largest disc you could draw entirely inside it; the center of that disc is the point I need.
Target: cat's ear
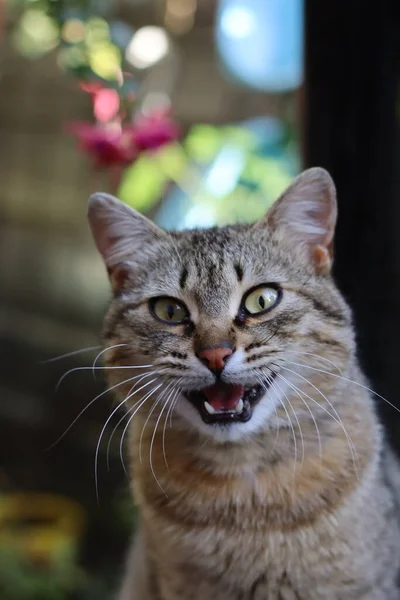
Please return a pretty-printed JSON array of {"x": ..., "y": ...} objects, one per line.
[
  {"x": 122, "y": 235},
  {"x": 305, "y": 214}
]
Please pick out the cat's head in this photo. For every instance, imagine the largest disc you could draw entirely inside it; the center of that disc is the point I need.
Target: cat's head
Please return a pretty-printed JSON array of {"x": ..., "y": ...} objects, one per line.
[{"x": 221, "y": 316}]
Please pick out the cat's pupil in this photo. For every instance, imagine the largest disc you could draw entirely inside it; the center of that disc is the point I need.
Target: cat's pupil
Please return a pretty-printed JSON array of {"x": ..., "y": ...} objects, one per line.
[
  {"x": 261, "y": 302},
  {"x": 170, "y": 311}
]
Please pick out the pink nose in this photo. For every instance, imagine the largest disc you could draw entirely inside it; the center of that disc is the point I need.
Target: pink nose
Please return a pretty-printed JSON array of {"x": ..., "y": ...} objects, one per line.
[{"x": 215, "y": 358}]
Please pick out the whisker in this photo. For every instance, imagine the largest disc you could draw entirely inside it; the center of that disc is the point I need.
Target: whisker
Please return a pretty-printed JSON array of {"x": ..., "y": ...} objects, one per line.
[
  {"x": 287, "y": 414},
  {"x": 172, "y": 396},
  {"x": 170, "y": 409},
  {"x": 143, "y": 400},
  {"x": 98, "y": 369},
  {"x": 176, "y": 400},
  {"x": 73, "y": 353},
  {"x": 309, "y": 410},
  {"x": 336, "y": 418},
  {"x": 128, "y": 412},
  {"x": 297, "y": 421},
  {"x": 277, "y": 430},
  {"x": 158, "y": 400},
  {"x": 90, "y": 404},
  {"x": 101, "y": 354},
  {"x": 152, "y": 443},
  {"x": 346, "y": 379},
  {"x": 104, "y": 428},
  {"x": 125, "y": 414},
  {"x": 322, "y": 358}
]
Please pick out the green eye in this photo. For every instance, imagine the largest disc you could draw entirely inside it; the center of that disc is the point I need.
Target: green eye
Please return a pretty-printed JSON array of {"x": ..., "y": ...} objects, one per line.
[
  {"x": 169, "y": 310},
  {"x": 261, "y": 299}
]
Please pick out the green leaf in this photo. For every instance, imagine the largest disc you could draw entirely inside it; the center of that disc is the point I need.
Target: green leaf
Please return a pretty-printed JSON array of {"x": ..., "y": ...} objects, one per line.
[
  {"x": 203, "y": 143},
  {"x": 142, "y": 184}
]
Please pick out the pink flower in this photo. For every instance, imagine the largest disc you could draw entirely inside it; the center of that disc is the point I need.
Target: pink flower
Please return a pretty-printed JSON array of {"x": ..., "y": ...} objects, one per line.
[
  {"x": 91, "y": 87},
  {"x": 154, "y": 131},
  {"x": 109, "y": 145}
]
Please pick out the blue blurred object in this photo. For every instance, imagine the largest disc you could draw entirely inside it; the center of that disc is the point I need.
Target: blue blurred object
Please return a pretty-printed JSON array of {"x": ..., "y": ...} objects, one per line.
[
  {"x": 260, "y": 42},
  {"x": 239, "y": 172},
  {"x": 121, "y": 33}
]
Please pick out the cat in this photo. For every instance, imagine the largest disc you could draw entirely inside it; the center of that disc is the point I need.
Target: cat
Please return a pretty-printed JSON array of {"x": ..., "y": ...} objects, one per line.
[{"x": 258, "y": 464}]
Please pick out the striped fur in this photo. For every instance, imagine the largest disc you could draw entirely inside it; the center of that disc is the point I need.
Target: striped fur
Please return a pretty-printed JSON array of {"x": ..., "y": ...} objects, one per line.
[{"x": 300, "y": 502}]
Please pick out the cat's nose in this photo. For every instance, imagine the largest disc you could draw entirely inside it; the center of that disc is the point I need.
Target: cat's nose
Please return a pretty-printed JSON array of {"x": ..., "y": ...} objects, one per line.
[{"x": 215, "y": 358}]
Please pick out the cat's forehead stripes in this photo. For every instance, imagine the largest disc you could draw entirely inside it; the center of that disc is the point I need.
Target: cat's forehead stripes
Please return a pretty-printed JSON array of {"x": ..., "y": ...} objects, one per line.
[
  {"x": 210, "y": 273},
  {"x": 183, "y": 277}
]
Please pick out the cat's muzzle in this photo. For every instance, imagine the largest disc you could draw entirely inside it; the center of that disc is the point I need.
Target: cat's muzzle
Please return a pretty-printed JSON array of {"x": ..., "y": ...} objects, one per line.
[{"x": 226, "y": 403}]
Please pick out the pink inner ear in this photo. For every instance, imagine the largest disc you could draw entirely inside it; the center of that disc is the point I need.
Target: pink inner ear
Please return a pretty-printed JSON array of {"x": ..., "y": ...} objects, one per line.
[
  {"x": 322, "y": 258},
  {"x": 118, "y": 275}
]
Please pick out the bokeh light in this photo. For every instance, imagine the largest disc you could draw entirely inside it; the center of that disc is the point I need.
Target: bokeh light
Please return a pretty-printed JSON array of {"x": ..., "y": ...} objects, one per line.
[
  {"x": 105, "y": 60},
  {"x": 148, "y": 46},
  {"x": 180, "y": 15},
  {"x": 73, "y": 31},
  {"x": 97, "y": 31},
  {"x": 36, "y": 34},
  {"x": 106, "y": 105},
  {"x": 261, "y": 42}
]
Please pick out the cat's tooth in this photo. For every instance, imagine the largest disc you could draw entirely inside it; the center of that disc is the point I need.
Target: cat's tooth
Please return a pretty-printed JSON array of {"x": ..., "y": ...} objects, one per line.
[
  {"x": 239, "y": 406},
  {"x": 209, "y": 408}
]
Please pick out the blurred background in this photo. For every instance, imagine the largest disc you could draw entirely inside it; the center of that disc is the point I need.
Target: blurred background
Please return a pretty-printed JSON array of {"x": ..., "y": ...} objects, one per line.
[{"x": 195, "y": 112}]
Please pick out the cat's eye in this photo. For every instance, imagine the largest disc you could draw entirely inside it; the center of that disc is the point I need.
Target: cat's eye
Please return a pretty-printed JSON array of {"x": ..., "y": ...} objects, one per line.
[
  {"x": 260, "y": 299},
  {"x": 169, "y": 310}
]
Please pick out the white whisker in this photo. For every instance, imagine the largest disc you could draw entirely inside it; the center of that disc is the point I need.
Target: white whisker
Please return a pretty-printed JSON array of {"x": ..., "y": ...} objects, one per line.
[
  {"x": 125, "y": 415},
  {"x": 158, "y": 400},
  {"x": 297, "y": 421},
  {"x": 322, "y": 358},
  {"x": 336, "y": 418},
  {"x": 143, "y": 400},
  {"x": 152, "y": 443},
  {"x": 309, "y": 410},
  {"x": 73, "y": 353},
  {"x": 90, "y": 404},
  {"x": 104, "y": 428},
  {"x": 176, "y": 400},
  {"x": 277, "y": 430},
  {"x": 101, "y": 354},
  {"x": 170, "y": 409},
  {"x": 346, "y": 379},
  {"x": 272, "y": 388},
  {"x": 98, "y": 369}
]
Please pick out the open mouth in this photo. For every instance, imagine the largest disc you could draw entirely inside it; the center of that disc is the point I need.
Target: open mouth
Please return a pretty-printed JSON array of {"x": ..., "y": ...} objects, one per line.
[{"x": 227, "y": 402}]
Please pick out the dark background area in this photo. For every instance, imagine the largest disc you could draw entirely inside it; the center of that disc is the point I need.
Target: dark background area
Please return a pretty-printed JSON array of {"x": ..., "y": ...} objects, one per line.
[{"x": 352, "y": 129}]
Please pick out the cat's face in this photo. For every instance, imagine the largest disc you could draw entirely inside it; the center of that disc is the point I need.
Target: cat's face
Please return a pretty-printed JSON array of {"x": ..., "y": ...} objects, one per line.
[{"x": 218, "y": 313}]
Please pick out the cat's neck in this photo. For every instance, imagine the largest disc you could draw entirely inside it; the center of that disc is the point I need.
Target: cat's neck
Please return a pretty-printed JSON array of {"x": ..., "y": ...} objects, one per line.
[{"x": 306, "y": 476}]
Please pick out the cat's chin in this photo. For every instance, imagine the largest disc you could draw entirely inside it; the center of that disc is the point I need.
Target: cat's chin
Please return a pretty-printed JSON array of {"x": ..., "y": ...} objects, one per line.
[{"x": 236, "y": 406}]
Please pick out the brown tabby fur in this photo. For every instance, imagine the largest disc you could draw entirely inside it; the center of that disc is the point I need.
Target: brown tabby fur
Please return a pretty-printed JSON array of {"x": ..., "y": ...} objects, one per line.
[{"x": 300, "y": 502}]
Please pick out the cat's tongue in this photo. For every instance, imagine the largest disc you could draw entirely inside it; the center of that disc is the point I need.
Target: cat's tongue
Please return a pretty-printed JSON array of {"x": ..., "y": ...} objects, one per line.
[{"x": 223, "y": 396}]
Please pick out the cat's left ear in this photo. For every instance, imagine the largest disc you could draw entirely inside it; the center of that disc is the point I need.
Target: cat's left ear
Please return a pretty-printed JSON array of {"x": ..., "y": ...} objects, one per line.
[
  {"x": 305, "y": 215},
  {"x": 123, "y": 236}
]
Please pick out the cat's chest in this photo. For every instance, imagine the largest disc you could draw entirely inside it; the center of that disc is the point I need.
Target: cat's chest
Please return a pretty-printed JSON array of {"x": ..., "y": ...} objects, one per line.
[
  {"x": 241, "y": 552},
  {"x": 248, "y": 564},
  {"x": 236, "y": 531}
]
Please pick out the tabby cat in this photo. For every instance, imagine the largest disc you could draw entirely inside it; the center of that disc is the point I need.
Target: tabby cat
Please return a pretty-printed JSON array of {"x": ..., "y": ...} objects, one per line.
[{"x": 257, "y": 460}]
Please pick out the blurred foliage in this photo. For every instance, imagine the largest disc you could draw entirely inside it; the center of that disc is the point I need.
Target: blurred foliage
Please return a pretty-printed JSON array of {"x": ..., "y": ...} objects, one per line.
[
  {"x": 217, "y": 175},
  {"x": 124, "y": 511},
  {"x": 89, "y": 43},
  {"x": 20, "y": 579},
  {"x": 231, "y": 173}
]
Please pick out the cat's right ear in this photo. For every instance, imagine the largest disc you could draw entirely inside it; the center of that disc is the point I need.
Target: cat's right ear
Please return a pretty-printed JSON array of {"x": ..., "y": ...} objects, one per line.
[
  {"x": 122, "y": 235},
  {"x": 305, "y": 215}
]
